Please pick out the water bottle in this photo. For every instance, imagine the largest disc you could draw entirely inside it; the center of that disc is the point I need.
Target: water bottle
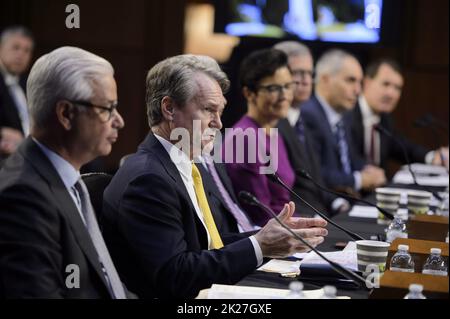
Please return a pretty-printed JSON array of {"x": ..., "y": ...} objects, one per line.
[
  {"x": 329, "y": 292},
  {"x": 435, "y": 264},
  {"x": 415, "y": 292},
  {"x": 402, "y": 260},
  {"x": 396, "y": 229},
  {"x": 296, "y": 290}
]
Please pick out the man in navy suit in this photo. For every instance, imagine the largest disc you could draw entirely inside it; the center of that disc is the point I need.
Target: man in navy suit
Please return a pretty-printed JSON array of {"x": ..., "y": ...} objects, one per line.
[
  {"x": 16, "y": 48},
  {"x": 298, "y": 138},
  {"x": 382, "y": 89},
  {"x": 50, "y": 242},
  {"x": 157, "y": 222},
  {"x": 338, "y": 84}
]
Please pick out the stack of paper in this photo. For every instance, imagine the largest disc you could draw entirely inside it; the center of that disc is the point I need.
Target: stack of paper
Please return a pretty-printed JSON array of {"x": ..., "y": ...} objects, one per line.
[
  {"x": 346, "y": 258},
  {"x": 245, "y": 292},
  {"x": 405, "y": 177},
  {"x": 283, "y": 267}
]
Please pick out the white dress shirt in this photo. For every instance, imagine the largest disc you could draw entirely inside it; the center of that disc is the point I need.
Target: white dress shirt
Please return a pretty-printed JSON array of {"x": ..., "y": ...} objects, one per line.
[{"x": 20, "y": 100}]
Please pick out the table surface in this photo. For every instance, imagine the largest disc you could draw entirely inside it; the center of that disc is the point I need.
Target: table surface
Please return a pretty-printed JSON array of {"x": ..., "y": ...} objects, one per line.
[{"x": 366, "y": 227}]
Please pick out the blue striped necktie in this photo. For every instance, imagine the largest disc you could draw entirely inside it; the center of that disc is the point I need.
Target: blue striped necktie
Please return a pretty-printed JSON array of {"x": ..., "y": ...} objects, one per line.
[{"x": 343, "y": 147}]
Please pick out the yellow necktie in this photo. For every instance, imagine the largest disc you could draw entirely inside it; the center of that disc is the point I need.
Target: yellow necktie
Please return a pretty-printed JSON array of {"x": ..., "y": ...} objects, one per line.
[{"x": 216, "y": 241}]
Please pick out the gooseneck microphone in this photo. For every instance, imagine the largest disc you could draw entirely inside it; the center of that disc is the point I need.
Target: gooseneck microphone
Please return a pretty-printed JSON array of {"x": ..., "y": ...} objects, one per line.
[
  {"x": 384, "y": 131},
  {"x": 252, "y": 200},
  {"x": 276, "y": 179},
  {"x": 429, "y": 120},
  {"x": 306, "y": 175}
]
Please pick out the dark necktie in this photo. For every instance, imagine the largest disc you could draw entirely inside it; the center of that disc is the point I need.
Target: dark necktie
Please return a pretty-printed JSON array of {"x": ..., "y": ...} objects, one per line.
[
  {"x": 115, "y": 285},
  {"x": 300, "y": 130},
  {"x": 343, "y": 147}
]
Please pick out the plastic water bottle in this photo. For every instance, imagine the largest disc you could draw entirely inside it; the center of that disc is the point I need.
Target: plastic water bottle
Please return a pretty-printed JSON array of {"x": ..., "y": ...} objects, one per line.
[
  {"x": 435, "y": 264},
  {"x": 329, "y": 292},
  {"x": 415, "y": 292},
  {"x": 296, "y": 290},
  {"x": 396, "y": 229},
  {"x": 402, "y": 260}
]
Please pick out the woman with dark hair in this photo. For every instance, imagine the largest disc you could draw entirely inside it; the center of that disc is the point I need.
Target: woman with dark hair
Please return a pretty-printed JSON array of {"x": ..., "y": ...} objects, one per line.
[{"x": 253, "y": 148}]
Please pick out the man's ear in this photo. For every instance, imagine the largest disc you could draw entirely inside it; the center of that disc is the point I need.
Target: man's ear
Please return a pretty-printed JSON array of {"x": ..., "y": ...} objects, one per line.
[
  {"x": 248, "y": 94},
  {"x": 167, "y": 108},
  {"x": 65, "y": 114}
]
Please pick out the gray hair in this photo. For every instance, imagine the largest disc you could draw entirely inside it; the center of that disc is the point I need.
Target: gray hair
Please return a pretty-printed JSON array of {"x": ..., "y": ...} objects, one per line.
[
  {"x": 293, "y": 48},
  {"x": 331, "y": 62},
  {"x": 15, "y": 30},
  {"x": 65, "y": 73},
  {"x": 174, "y": 77}
]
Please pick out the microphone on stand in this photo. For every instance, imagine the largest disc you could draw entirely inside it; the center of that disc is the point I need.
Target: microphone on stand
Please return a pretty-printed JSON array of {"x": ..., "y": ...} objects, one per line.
[
  {"x": 252, "y": 200},
  {"x": 305, "y": 174},
  {"x": 384, "y": 131},
  {"x": 429, "y": 120},
  {"x": 276, "y": 179}
]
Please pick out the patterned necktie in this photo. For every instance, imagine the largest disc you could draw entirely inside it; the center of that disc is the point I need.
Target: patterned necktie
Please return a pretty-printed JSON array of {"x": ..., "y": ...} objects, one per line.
[
  {"x": 343, "y": 147},
  {"x": 216, "y": 241},
  {"x": 111, "y": 276},
  {"x": 300, "y": 130},
  {"x": 238, "y": 214}
]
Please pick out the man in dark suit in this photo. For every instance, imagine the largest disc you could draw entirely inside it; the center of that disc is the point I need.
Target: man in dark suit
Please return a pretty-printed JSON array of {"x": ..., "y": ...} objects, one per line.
[
  {"x": 158, "y": 223},
  {"x": 50, "y": 242},
  {"x": 16, "y": 48},
  {"x": 338, "y": 84},
  {"x": 298, "y": 139},
  {"x": 383, "y": 84}
]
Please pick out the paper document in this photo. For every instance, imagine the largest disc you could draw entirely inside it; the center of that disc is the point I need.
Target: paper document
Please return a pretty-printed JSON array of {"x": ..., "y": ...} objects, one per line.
[
  {"x": 425, "y": 169},
  {"x": 404, "y": 177},
  {"x": 363, "y": 212},
  {"x": 281, "y": 267},
  {"x": 346, "y": 258},
  {"x": 245, "y": 292}
]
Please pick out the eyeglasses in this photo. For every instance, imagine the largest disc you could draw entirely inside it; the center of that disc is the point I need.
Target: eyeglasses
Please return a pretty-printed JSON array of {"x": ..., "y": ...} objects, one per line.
[
  {"x": 106, "y": 112},
  {"x": 302, "y": 73},
  {"x": 277, "y": 89}
]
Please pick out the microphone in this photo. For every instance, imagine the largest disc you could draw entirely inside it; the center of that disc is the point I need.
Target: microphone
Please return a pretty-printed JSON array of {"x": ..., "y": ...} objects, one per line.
[
  {"x": 384, "y": 131},
  {"x": 429, "y": 120},
  {"x": 276, "y": 179},
  {"x": 305, "y": 174},
  {"x": 252, "y": 200}
]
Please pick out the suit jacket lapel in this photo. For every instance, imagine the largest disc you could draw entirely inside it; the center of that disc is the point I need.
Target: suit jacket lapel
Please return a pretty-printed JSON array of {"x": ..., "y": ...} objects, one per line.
[
  {"x": 152, "y": 144},
  {"x": 64, "y": 201}
]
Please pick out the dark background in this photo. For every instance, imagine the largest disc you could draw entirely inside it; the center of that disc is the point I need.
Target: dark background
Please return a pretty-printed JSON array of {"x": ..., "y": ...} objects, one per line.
[{"x": 135, "y": 34}]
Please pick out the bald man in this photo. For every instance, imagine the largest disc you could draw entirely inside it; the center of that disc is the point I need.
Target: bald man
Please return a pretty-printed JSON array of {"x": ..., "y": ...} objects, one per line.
[{"x": 337, "y": 87}]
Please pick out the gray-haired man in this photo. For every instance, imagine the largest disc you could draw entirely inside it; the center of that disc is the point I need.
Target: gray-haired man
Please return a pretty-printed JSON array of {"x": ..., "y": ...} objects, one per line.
[{"x": 50, "y": 243}]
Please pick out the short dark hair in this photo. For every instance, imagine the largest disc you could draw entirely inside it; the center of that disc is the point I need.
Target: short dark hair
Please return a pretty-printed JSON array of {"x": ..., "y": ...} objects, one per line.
[
  {"x": 373, "y": 67},
  {"x": 260, "y": 64},
  {"x": 16, "y": 30}
]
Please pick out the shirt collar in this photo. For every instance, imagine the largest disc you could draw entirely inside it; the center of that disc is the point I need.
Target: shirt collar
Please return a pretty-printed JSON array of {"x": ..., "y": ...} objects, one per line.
[
  {"x": 178, "y": 157},
  {"x": 332, "y": 116},
  {"x": 366, "y": 112},
  {"x": 293, "y": 115},
  {"x": 9, "y": 79},
  {"x": 66, "y": 171}
]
